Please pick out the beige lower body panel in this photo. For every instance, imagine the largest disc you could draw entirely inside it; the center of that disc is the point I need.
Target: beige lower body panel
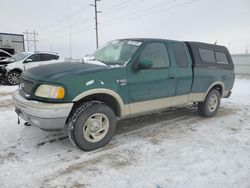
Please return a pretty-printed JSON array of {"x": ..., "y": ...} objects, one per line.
[
  {"x": 151, "y": 105},
  {"x": 226, "y": 93}
]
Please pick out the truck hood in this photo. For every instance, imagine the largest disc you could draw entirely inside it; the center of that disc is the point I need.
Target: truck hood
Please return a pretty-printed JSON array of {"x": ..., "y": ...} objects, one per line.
[{"x": 53, "y": 72}]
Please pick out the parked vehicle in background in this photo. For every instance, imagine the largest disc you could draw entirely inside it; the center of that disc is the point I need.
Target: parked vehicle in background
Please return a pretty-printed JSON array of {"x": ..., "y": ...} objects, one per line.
[
  {"x": 15, "y": 65},
  {"x": 124, "y": 78},
  {"x": 3, "y": 55}
]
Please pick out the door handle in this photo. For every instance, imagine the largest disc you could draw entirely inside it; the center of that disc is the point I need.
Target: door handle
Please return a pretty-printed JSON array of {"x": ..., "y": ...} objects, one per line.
[
  {"x": 122, "y": 82},
  {"x": 171, "y": 77}
]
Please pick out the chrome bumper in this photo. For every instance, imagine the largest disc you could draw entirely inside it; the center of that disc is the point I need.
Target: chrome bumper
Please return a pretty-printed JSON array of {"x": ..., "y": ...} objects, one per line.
[{"x": 40, "y": 114}]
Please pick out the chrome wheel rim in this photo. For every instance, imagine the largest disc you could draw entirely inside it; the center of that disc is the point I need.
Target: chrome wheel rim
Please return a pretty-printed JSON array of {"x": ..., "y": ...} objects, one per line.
[
  {"x": 14, "y": 78},
  {"x": 96, "y": 127},
  {"x": 212, "y": 103}
]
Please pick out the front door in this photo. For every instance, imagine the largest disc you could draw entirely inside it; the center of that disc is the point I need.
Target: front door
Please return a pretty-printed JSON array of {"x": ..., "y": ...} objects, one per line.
[
  {"x": 150, "y": 88},
  {"x": 35, "y": 61}
]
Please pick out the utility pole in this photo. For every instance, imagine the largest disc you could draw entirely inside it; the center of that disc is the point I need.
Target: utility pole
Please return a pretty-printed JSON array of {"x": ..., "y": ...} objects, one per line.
[
  {"x": 31, "y": 38},
  {"x": 96, "y": 22},
  {"x": 229, "y": 46},
  {"x": 70, "y": 48},
  {"x": 34, "y": 35}
]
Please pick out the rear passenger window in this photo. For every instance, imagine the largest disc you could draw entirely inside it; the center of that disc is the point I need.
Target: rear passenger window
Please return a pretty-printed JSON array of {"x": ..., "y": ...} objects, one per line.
[
  {"x": 207, "y": 55},
  {"x": 180, "y": 55},
  {"x": 47, "y": 57},
  {"x": 221, "y": 57},
  {"x": 157, "y": 52}
]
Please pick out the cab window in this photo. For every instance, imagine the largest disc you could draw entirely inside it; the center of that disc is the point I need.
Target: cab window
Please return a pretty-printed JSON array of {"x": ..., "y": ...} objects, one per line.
[
  {"x": 221, "y": 57},
  {"x": 180, "y": 55},
  {"x": 207, "y": 55},
  {"x": 157, "y": 53}
]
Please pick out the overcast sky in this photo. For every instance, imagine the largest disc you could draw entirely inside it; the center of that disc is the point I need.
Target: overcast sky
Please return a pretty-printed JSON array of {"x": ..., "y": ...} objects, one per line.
[{"x": 224, "y": 21}]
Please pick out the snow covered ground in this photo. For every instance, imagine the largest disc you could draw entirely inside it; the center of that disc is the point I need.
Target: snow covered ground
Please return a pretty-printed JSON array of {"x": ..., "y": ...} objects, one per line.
[{"x": 173, "y": 148}]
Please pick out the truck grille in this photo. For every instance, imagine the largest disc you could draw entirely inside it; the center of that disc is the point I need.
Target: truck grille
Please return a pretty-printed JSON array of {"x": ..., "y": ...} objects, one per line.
[{"x": 26, "y": 86}]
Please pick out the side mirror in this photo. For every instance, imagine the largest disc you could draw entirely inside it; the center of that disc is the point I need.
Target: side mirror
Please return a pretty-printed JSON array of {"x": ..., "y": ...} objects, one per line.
[
  {"x": 145, "y": 63},
  {"x": 28, "y": 60}
]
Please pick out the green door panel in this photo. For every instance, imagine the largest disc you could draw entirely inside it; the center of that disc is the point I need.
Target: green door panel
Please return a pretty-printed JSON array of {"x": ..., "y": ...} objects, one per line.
[
  {"x": 153, "y": 83},
  {"x": 183, "y": 64}
]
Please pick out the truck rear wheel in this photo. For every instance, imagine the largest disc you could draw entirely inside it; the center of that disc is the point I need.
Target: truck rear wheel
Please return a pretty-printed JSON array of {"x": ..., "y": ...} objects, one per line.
[
  {"x": 92, "y": 126},
  {"x": 211, "y": 105}
]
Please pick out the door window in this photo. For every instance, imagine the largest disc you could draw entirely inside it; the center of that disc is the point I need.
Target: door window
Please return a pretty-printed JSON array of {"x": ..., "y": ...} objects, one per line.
[
  {"x": 47, "y": 57},
  {"x": 180, "y": 55},
  {"x": 157, "y": 53},
  {"x": 35, "y": 58}
]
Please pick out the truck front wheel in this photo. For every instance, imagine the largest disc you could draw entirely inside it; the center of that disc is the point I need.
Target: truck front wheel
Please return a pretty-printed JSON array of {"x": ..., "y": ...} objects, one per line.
[
  {"x": 13, "y": 78},
  {"x": 92, "y": 126},
  {"x": 211, "y": 105}
]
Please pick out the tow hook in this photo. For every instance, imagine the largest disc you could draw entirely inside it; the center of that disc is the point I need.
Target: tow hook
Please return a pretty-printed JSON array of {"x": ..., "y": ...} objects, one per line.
[{"x": 18, "y": 119}]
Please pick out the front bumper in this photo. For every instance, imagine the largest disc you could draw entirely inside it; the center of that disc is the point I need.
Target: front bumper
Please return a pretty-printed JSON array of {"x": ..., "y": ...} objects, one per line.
[{"x": 46, "y": 116}]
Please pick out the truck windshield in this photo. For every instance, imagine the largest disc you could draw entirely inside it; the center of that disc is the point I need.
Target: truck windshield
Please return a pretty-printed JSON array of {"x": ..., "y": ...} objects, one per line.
[
  {"x": 116, "y": 52},
  {"x": 20, "y": 56}
]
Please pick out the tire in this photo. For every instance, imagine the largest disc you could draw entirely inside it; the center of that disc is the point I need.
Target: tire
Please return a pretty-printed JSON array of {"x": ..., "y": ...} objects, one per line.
[
  {"x": 13, "y": 78},
  {"x": 211, "y": 105},
  {"x": 92, "y": 126}
]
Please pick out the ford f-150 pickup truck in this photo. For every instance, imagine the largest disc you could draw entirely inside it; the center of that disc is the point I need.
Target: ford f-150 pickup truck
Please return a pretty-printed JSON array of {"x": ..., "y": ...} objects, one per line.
[{"x": 123, "y": 78}]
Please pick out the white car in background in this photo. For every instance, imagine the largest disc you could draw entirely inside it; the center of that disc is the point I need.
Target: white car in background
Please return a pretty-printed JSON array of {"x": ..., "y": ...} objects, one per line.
[
  {"x": 4, "y": 54},
  {"x": 11, "y": 72}
]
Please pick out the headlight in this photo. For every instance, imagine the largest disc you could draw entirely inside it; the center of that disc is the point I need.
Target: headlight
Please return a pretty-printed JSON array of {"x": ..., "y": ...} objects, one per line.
[{"x": 50, "y": 91}]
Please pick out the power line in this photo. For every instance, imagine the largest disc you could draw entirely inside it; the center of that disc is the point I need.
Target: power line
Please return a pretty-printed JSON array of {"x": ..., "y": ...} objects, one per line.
[
  {"x": 136, "y": 12},
  {"x": 87, "y": 19},
  {"x": 68, "y": 17},
  {"x": 72, "y": 15},
  {"x": 131, "y": 18},
  {"x": 150, "y": 13},
  {"x": 121, "y": 6},
  {"x": 118, "y": 5}
]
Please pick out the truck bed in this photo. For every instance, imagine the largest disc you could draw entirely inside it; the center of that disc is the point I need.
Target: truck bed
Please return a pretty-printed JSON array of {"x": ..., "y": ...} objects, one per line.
[{"x": 211, "y": 64}]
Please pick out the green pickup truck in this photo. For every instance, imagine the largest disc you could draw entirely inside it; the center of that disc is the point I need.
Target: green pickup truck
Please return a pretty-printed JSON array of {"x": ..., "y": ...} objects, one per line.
[{"x": 123, "y": 78}]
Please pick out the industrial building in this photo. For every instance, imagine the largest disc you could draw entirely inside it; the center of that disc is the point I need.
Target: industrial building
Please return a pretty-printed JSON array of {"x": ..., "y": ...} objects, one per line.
[{"x": 12, "y": 43}]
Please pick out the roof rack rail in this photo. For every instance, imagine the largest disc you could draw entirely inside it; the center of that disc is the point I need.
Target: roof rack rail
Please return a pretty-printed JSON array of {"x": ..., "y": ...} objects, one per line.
[{"x": 46, "y": 52}]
